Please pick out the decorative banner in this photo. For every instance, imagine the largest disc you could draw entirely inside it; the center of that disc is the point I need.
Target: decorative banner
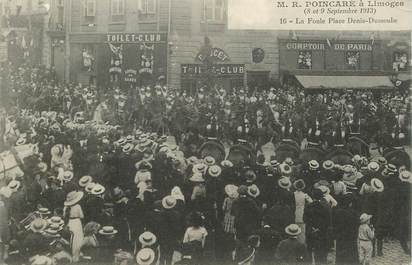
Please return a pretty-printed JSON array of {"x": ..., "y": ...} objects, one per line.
[
  {"x": 130, "y": 75},
  {"x": 116, "y": 59},
  {"x": 146, "y": 58},
  {"x": 88, "y": 59},
  {"x": 216, "y": 54},
  {"x": 136, "y": 56}
]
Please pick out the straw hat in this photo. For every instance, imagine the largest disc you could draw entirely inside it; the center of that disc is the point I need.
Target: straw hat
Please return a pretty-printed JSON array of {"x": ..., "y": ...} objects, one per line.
[
  {"x": 147, "y": 238},
  {"x": 214, "y": 170},
  {"x": 14, "y": 185},
  {"x": 197, "y": 177},
  {"x": 289, "y": 161},
  {"x": 364, "y": 217},
  {"x": 21, "y": 141},
  {"x": 168, "y": 202},
  {"x": 356, "y": 158},
  {"x": 226, "y": 164},
  {"x": 199, "y": 168},
  {"x": 192, "y": 160},
  {"x": 328, "y": 164},
  {"x": 127, "y": 148},
  {"x": 299, "y": 184},
  {"x": 85, "y": 180},
  {"x": 53, "y": 229},
  {"x": 373, "y": 166},
  {"x": 284, "y": 182},
  {"x": 89, "y": 187},
  {"x": 313, "y": 165},
  {"x": 377, "y": 185},
  {"x": 231, "y": 190},
  {"x": 293, "y": 230},
  {"x": 38, "y": 225},
  {"x": 67, "y": 176},
  {"x": 107, "y": 231},
  {"x": 73, "y": 197},
  {"x": 274, "y": 163},
  {"x": 405, "y": 176},
  {"x": 98, "y": 189},
  {"x": 43, "y": 211},
  {"x": 253, "y": 191},
  {"x": 121, "y": 141},
  {"x": 42, "y": 166},
  {"x": 285, "y": 169},
  {"x": 210, "y": 161},
  {"x": 145, "y": 256},
  {"x": 390, "y": 169},
  {"x": 56, "y": 220}
]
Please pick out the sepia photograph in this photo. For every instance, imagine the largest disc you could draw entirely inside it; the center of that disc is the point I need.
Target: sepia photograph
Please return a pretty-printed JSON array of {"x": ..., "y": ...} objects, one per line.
[{"x": 205, "y": 132}]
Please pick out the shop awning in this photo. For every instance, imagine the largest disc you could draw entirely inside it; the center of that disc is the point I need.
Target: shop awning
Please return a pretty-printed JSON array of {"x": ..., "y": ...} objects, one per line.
[{"x": 342, "y": 82}]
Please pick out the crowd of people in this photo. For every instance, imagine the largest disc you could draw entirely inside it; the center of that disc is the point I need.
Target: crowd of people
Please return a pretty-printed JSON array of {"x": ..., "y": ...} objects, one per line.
[{"x": 105, "y": 183}]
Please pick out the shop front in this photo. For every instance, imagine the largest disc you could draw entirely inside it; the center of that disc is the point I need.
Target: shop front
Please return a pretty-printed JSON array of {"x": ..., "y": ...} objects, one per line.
[
  {"x": 119, "y": 59},
  {"x": 334, "y": 64}
]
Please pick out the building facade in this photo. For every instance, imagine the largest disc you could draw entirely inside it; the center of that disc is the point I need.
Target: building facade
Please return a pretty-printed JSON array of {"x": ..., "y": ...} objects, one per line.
[{"x": 188, "y": 44}]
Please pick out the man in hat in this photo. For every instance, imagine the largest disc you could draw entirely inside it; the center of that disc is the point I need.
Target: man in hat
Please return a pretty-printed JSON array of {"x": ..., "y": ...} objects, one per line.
[
  {"x": 386, "y": 204},
  {"x": 16, "y": 201},
  {"x": 172, "y": 231},
  {"x": 35, "y": 242},
  {"x": 269, "y": 240},
  {"x": 317, "y": 217},
  {"x": 246, "y": 213},
  {"x": 345, "y": 222},
  {"x": 290, "y": 250}
]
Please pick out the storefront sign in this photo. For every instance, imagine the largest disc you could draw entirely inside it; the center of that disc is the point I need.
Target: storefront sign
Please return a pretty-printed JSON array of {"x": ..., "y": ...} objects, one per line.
[
  {"x": 216, "y": 54},
  {"x": 136, "y": 37},
  {"x": 339, "y": 46},
  {"x": 219, "y": 69}
]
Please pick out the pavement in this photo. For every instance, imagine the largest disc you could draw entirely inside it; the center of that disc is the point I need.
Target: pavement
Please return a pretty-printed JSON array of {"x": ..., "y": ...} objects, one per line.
[{"x": 392, "y": 254}]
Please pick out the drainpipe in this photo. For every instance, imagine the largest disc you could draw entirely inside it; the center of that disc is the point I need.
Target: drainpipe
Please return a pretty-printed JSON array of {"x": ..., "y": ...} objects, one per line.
[
  {"x": 68, "y": 23},
  {"x": 169, "y": 26}
]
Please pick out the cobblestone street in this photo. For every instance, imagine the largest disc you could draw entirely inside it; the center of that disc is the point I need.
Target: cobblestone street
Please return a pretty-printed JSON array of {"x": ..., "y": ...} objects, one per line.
[{"x": 392, "y": 254}]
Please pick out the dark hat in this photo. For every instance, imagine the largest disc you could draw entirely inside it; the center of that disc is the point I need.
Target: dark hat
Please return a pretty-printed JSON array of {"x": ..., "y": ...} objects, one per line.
[
  {"x": 242, "y": 190},
  {"x": 299, "y": 184}
]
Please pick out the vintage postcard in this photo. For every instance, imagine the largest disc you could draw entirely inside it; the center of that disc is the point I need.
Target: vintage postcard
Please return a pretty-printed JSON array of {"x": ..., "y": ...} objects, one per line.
[{"x": 203, "y": 132}]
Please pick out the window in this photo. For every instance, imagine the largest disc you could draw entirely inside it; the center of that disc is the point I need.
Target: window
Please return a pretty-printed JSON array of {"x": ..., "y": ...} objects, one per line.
[
  {"x": 117, "y": 7},
  {"x": 305, "y": 60},
  {"x": 147, "y": 6},
  {"x": 213, "y": 10},
  {"x": 400, "y": 61},
  {"x": 90, "y": 8},
  {"x": 353, "y": 60}
]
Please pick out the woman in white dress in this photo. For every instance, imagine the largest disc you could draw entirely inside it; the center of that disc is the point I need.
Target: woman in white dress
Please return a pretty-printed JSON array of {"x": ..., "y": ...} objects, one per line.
[
  {"x": 73, "y": 213},
  {"x": 301, "y": 199}
]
